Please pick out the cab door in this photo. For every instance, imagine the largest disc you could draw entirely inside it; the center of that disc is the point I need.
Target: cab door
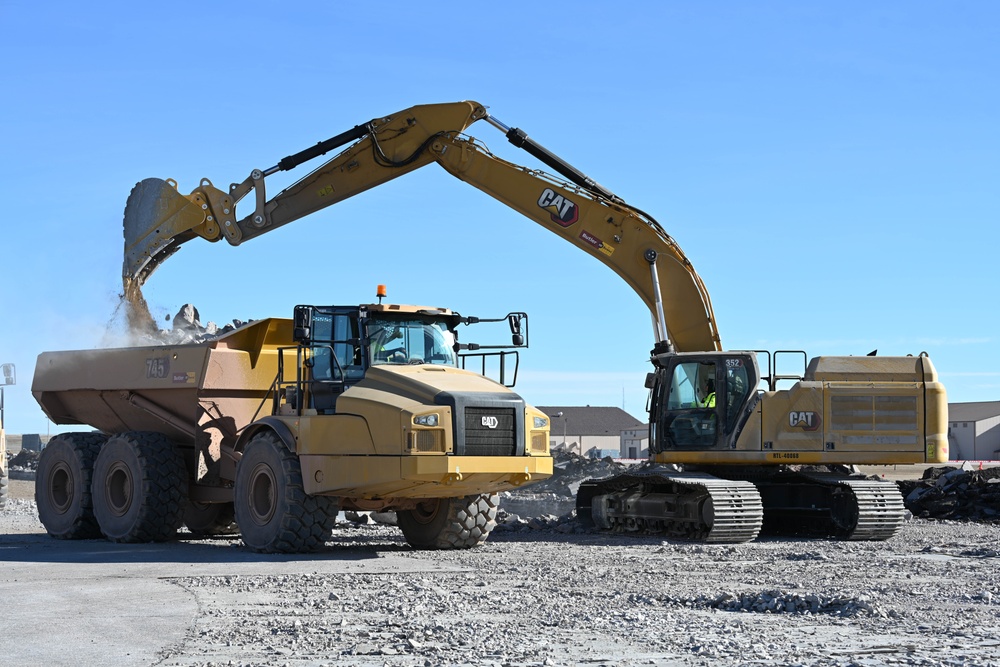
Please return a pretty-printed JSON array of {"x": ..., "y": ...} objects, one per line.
[{"x": 699, "y": 400}]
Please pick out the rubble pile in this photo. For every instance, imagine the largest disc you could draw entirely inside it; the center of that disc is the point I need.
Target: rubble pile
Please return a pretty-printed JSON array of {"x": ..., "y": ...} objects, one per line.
[
  {"x": 25, "y": 460},
  {"x": 954, "y": 493},
  {"x": 186, "y": 327},
  {"x": 567, "y": 523},
  {"x": 552, "y": 502},
  {"x": 771, "y": 602},
  {"x": 569, "y": 470}
]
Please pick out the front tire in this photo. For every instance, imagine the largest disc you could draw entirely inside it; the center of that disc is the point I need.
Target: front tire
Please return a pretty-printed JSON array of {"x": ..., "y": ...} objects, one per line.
[
  {"x": 139, "y": 488},
  {"x": 450, "y": 523},
  {"x": 63, "y": 486},
  {"x": 274, "y": 513}
]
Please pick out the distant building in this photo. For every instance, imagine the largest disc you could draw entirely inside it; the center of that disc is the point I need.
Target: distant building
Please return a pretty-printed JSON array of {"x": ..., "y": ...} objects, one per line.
[
  {"x": 974, "y": 431},
  {"x": 635, "y": 443},
  {"x": 583, "y": 429}
]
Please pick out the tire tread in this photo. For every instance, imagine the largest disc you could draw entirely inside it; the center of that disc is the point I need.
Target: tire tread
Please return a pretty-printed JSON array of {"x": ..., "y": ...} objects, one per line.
[{"x": 84, "y": 448}]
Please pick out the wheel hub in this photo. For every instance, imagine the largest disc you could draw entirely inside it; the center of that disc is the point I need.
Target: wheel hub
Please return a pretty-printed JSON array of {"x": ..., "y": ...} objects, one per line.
[
  {"x": 61, "y": 488},
  {"x": 118, "y": 489},
  {"x": 426, "y": 511},
  {"x": 262, "y": 501}
]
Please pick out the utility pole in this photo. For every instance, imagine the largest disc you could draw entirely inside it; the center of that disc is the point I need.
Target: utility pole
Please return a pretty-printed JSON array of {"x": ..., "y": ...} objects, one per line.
[{"x": 559, "y": 415}]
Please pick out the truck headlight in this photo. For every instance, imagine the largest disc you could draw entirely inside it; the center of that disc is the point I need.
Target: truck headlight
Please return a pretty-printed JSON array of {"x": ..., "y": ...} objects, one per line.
[
  {"x": 426, "y": 420},
  {"x": 541, "y": 422}
]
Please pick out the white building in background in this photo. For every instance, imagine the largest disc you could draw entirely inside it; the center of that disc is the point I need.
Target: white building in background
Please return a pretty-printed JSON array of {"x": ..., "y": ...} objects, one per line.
[
  {"x": 635, "y": 443},
  {"x": 974, "y": 431},
  {"x": 590, "y": 431}
]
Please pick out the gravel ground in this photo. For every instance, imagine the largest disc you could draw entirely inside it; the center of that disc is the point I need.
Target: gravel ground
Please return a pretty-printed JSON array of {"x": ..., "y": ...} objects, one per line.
[{"x": 538, "y": 596}]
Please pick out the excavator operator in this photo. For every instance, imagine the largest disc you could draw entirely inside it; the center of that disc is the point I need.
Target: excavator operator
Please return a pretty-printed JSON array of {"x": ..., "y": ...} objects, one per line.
[{"x": 709, "y": 395}]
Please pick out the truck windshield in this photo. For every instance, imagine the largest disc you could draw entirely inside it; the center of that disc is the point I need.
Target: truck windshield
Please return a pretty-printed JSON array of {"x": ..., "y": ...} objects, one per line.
[{"x": 410, "y": 341}]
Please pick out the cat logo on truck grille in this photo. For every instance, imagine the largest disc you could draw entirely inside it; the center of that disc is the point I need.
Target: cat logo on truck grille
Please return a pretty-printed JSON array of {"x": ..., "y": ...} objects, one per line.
[{"x": 489, "y": 421}]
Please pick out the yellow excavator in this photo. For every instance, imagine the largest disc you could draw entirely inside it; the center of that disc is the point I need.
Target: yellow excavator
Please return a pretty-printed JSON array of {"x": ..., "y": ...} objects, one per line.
[{"x": 732, "y": 448}]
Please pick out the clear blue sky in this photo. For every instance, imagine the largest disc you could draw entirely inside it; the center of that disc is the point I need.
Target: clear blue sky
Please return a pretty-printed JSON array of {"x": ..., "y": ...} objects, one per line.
[{"x": 832, "y": 170}]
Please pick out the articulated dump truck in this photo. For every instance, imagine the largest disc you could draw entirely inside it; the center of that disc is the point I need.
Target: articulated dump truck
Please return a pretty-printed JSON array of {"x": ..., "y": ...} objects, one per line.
[{"x": 275, "y": 427}]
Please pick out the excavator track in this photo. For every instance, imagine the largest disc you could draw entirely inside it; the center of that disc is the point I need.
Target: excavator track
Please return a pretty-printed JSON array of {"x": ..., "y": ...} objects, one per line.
[
  {"x": 848, "y": 508},
  {"x": 687, "y": 505}
]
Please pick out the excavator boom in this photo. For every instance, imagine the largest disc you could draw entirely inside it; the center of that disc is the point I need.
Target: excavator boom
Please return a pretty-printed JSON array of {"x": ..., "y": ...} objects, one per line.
[{"x": 158, "y": 219}]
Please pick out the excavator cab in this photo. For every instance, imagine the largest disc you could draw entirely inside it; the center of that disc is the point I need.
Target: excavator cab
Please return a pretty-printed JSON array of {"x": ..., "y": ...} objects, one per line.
[{"x": 700, "y": 400}]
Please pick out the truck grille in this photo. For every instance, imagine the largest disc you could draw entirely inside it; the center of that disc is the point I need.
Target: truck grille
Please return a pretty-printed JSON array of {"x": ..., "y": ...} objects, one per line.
[{"x": 490, "y": 432}]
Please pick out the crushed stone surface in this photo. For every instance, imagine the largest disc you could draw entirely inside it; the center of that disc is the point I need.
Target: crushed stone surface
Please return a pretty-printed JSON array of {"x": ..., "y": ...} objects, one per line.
[
  {"x": 546, "y": 598},
  {"x": 536, "y": 594}
]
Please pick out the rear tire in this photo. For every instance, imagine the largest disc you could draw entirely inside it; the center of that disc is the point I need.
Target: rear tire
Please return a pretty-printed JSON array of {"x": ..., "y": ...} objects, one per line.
[
  {"x": 450, "y": 523},
  {"x": 63, "y": 486},
  {"x": 206, "y": 519},
  {"x": 274, "y": 513},
  {"x": 139, "y": 488}
]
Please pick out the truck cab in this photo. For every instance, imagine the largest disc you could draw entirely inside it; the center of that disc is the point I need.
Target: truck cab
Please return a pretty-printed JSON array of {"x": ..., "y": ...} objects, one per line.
[{"x": 338, "y": 345}]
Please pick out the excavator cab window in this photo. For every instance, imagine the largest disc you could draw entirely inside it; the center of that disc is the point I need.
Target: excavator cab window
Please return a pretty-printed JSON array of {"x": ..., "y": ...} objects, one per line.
[
  {"x": 738, "y": 386},
  {"x": 690, "y": 418},
  {"x": 697, "y": 401}
]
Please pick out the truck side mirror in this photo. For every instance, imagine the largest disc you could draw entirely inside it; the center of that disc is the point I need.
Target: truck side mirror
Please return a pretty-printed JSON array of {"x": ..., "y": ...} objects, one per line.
[
  {"x": 516, "y": 337},
  {"x": 302, "y": 323},
  {"x": 650, "y": 380}
]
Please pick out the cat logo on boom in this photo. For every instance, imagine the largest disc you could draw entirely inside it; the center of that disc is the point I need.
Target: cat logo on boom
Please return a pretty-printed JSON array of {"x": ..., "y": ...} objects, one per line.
[
  {"x": 563, "y": 211},
  {"x": 807, "y": 421}
]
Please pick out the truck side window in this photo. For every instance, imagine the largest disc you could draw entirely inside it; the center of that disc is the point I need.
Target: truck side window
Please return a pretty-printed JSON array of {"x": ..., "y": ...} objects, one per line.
[{"x": 327, "y": 330}]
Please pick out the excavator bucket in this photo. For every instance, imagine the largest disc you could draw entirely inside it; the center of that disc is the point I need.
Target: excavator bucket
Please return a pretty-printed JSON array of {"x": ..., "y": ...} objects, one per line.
[{"x": 157, "y": 220}]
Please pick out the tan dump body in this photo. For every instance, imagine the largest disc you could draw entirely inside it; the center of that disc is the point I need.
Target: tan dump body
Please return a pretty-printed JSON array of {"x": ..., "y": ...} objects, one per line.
[
  {"x": 169, "y": 389},
  {"x": 197, "y": 395},
  {"x": 182, "y": 391}
]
